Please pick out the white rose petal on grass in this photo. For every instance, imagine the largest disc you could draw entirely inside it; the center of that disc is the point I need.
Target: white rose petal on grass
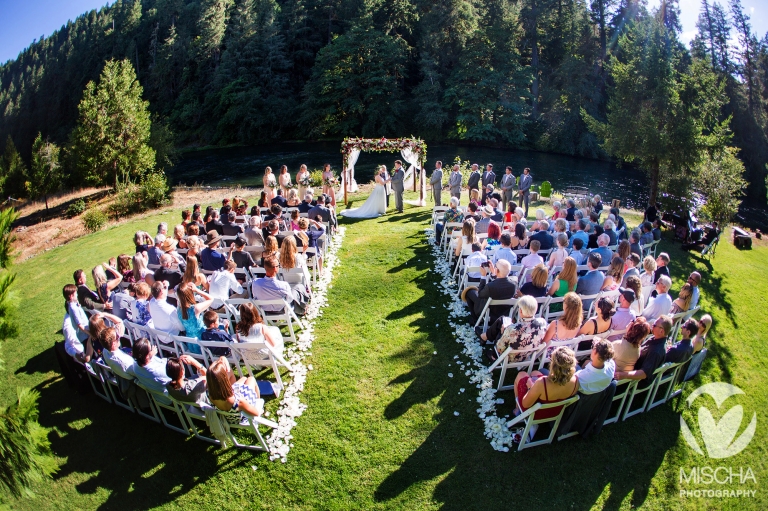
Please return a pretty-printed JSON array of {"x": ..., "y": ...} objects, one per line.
[
  {"x": 434, "y": 353},
  {"x": 456, "y": 414},
  {"x": 450, "y": 375}
]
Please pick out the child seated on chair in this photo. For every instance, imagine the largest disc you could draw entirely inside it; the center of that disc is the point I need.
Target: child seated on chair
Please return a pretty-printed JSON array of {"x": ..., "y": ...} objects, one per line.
[
  {"x": 215, "y": 332},
  {"x": 576, "y": 253}
]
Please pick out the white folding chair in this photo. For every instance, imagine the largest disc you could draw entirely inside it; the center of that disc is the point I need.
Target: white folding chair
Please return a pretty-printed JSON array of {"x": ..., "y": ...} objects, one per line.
[
  {"x": 623, "y": 387},
  {"x": 637, "y": 391},
  {"x": 113, "y": 385},
  {"x": 97, "y": 380},
  {"x": 255, "y": 356},
  {"x": 283, "y": 317},
  {"x": 666, "y": 379},
  {"x": 690, "y": 371},
  {"x": 208, "y": 348},
  {"x": 162, "y": 401},
  {"x": 568, "y": 343},
  {"x": 437, "y": 211},
  {"x": 677, "y": 322},
  {"x": 532, "y": 423},
  {"x": 485, "y": 314},
  {"x": 190, "y": 346},
  {"x": 647, "y": 290},
  {"x": 530, "y": 355},
  {"x": 248, "y": 422},
  {"x": 194, "y": 412},
  {"x": 164, "y": 342},
  {"x": 551, "y": 315}
]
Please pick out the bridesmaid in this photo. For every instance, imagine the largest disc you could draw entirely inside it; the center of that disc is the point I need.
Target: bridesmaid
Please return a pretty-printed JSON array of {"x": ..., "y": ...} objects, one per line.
[
  {"x": 303, "y": 174},
  {"x": 329, "y": 190},
  {"x": 269, "y": 181},
  {"x": 285, "y": 180}
]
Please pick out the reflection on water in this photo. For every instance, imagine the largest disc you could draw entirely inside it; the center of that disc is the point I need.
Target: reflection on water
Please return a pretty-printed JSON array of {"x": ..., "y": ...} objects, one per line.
[{"x": 245, "y": 166}]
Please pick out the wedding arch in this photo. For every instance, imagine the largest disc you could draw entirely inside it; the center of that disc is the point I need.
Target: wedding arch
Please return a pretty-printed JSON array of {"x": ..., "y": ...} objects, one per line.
[{"x": 413, "y": 151}]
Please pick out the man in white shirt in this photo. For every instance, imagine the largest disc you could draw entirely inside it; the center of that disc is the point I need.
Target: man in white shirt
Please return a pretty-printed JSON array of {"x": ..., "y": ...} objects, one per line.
[
  {"x": 164, "y": 315},
  {"x": 121, "y": 363},
  {"x": 694, "y": 279},
  {"x": 270, "y": 288},
  {"x": 624, "y": 315},
  {"x": 221, "y": 282},
  {"x": 72, "y": 344},
  {"x": 598, "y": 373},
  {"x": 532, "y": 260},
  {"x": 661, "y": 304},
  {"x": 475, "y": 259}
]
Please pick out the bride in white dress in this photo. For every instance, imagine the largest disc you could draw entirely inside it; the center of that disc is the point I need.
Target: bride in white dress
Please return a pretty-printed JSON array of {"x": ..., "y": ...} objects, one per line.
[{"x": 376, "y": 204}]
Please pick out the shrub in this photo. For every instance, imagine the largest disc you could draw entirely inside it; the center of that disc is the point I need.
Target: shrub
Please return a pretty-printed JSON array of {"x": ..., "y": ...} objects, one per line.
[
  {"x": 153, "y": 191},
  {"x": 76, "y": 208},
  {"x": 126, "y": 201},
  {"x": 94, "y": 220},
  {"x": 316, "y": 178},
  {"x": 546, "y": 189}
]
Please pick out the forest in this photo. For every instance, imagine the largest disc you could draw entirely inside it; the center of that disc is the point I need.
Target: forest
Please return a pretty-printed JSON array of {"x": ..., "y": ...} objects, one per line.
[{"x": 533, "y": 74}]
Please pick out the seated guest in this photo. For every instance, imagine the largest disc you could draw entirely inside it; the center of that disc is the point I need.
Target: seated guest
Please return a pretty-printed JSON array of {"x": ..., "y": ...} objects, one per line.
[
  {"x": 505, "y": 252},
  {"x": 566, "y": 280},
  {"x": 613, "y": 274},
  {"x": 712, "y": 233},
  {"x": 559, "y": 213},
  {"x": 215, "y": 332},
  {"x": 601, "y": 321},
  {"x": 541, "y": 235},
  {"x": 323, "y": 212},
  {"x": 494, "y": 233},
  {"x": 661, "y": 267},
  {"x": 558, "y": 256},
  {"x": 638, "y": 305},
  {"x": 156, "y": 251},
  {"x": 474, "y": 197},
  {"x": 313, "y": 234},
  {"x": 533, "y": 259},
  {"x": 576, "y": 253},
  {"x": 294, "y": 220},
  {"x": 181, "y": 388},
  {"x": 140, "y": 307},
  {"x": 498, "y": 216},
  {"x": 609, "y": 230},
  {"x": 242, "y": 258},
  {"x": 214, "y": 224},
  {"x": 580, "y": 233},
  {"x": 231, "y": 395},
  {"x": 190, "y": 311},
  {"x": 537, "y": 287},
  {"x": 646, "y": 236},
  {"x": 143, "y": 241},
  {"x": 253, "y": 234},
  {"x": 701, "y": 337},
  {"x": 661, "y": 304},
  {"x": 621, "y": 225},
  {"x": 178, "y": 236},
  {"x": 631, "y": 264},
  {"x": 468, "y": 236},
  {"x": 279, "y": 199},
  {"x": 193, "y": 276},
  {"x": 624, "y": 315},
  {"x": 169, "y": 271},
  {"x": 270, "y": 288},
  {"x": 502, "y": 287},
  {"x": 627, "y": 350},
  {"x": 77, "y": 342},
  {"x": 117, "y": 358},
  {"x": 568, "y": 325},
  {"x": 482, "y": 226},
  {"x": 77, "y": 316},
  {"x": 169, "y": 248},
  {"x": 682, "y": 350},
  {"x": 656, "y": 231},
  {"x": 290, "y": 258},
  {"x": 472, "y": 212},
  {"x": 475, "y": 260},
  {"x": 652, "y": 354},
  {"x": 647, "y": 278},
  {"x": 104, "y": 285},
  {"x": 293, "y": 198},
  {"x": 492, "y": 194},
  {"x": 570, "y": 211},
  {"x": 528, "y": 333},
  {"x": 226, "y": 207},
  {"x": 307, "y": 204},
  {"x": 592, "y": 282},
  {"x": 694, "y": 279},
  {"x": 519, "y": 240},
  {"x": 634, "y": 243},
  {"x": 602, "y": 248},
  {"x": 222, "y": 282},
  {"x": 197, "y": 222},
  {"x": 598, "y": 373},
  {"x": 270, "y": 249},
  {"x": 164, "y": 315},
  {"x": 451, "y": 215},
  {"x": 683, "y": 301},
  {"x": 560, "y": 384},
  {"x": 149, "y": 368},
  {"x": 624, "y": 249},
  {"x": 230, "y": 228},
  {"x": 85, "y": 296},
  {"x": 140, "y": 272},
  {"x": 196, "y": 246},
  {"x": 211, "y": 259},
  {"x": 251, "y": 328},
  {"x": 509, "y": 215}
]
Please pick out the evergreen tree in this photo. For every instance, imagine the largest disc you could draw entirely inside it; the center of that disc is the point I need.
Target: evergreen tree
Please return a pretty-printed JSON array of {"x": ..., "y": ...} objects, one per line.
[
  {"x": 111, "y": 139},
  {"x": 45, "y": 175},
  {"x": 12, "y": 171},
  {"x": 720, "y": 181}
]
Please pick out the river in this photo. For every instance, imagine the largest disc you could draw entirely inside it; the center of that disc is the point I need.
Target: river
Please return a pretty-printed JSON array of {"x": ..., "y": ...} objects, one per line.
[{"x": 245, "y": 166}]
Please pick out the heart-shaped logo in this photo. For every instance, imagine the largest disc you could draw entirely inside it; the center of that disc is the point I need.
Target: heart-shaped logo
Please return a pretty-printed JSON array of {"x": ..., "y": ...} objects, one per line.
[{"x": 719, "y": 436}]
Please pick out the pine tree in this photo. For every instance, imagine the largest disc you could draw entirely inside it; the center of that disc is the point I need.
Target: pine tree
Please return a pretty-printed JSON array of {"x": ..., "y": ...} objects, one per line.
[
  {"x": 45, "y": 173},
  {"x": 112, "y": 135},
  {"x": 12, "y": 171}
]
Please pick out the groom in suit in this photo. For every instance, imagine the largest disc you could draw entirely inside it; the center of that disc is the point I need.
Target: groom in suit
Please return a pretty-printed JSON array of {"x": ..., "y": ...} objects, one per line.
[
  {"x": 489, "y": 178},
  {"x": 397, "y": 185},
  {"x": 437, "y": 183}
]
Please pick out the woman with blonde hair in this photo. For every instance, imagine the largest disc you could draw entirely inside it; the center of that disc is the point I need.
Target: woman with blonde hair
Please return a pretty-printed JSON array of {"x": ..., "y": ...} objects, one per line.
[
  {"x": 683, "y": 301},
  {"x": 291, "y": 258},
  {"x": 270, "y": 249},
  {"x": 474, "y": 197},
  {"x": 104, "y": 286},
  {"x": 301, "y": 177},
  {"x": 566, "y": 326},
  {"x": 285, "y": 180},
  {"x": 140, "y": 272},
  {"x": 293, "y": 198},
  {"x": 649, "y": 265},
  {"x": 560, "y": 384},
  {"x": 269, "y": 182},
  {"x": 192, "y": 275},
  {"x": 566, "y": 280},
  {"x": 633, "y": 283},
  {"x": 231, "y": 395},
  {"x": 251, "y": 328},
  {"x": 626, "y": 351},
  {"x": 705, "y": 323},
  {"x": 559, "y": 255},
  {"x": 537, "y": 287},
  {"x": 467, "y": 238},
  {"x": 178, "y": 235},
  {"x": 614, "y": 274}
]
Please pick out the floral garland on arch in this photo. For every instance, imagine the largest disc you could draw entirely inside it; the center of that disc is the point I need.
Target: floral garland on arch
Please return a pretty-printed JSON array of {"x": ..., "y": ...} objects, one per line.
[
  {"x": 383, "y": 145},
  {"x": 470, "y": 361},
  {"x": 290, "y": 408}
]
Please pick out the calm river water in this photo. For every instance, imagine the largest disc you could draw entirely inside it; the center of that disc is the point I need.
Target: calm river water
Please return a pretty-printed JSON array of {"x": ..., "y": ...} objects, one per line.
[{"x": 245, "y": 166}]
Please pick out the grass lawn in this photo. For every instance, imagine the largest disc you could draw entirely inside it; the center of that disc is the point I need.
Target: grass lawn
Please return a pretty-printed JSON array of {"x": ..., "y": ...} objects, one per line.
[{"x": 380, "y": 431}]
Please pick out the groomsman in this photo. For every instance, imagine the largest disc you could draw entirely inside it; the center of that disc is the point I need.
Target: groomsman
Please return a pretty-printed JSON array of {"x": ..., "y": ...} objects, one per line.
[
  {"x": 525, "y": 185},
  {"x": 437, "y": 183},
  {"x": 454, "y": 182},
  {"x": 507, "y": 188},
  {"x": 473, "y": 183},
  {"x": 489, "y": 178}
]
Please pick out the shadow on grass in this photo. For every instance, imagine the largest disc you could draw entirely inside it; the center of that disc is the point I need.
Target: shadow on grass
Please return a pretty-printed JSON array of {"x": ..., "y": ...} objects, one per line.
[{"x": 130, "y": 457}]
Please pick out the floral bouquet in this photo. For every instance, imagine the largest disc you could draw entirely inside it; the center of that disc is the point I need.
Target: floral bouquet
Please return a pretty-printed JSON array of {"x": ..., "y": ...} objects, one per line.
[
  {"x": 273, "y": 185},
  {"x": 330, "y": 181},
  {"x": 304, "y": 181}
]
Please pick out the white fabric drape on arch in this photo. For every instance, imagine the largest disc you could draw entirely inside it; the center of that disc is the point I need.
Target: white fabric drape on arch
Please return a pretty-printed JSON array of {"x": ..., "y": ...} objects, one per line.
[
  {"x": 353, "y": 156},
  {"x": 412, "y": 158}
]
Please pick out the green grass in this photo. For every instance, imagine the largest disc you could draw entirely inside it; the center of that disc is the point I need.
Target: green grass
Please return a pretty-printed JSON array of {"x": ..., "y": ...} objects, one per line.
[{"x": 380, "y": 430}]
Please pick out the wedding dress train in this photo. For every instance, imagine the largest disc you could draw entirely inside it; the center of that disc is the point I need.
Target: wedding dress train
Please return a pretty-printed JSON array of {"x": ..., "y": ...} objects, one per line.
[{"x": 374, "y": 206}]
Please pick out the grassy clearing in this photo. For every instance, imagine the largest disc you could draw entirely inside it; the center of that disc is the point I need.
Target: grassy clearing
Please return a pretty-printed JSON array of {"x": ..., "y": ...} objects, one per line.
[{"x": 380, "y": 431}]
